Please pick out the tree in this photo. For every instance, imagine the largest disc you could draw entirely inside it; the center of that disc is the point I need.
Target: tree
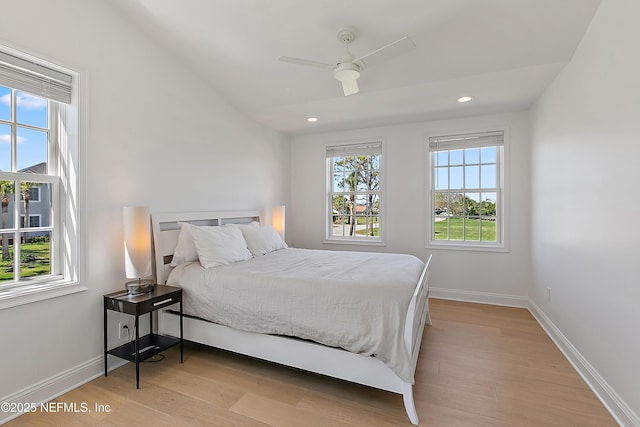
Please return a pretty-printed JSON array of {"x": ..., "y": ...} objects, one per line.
[
  {"x": 458, "y": 204},
  {"x": 6, "y": 190},
  {"x": 25, "y": 193},
  {"x": 441, "y": 203},
  {"x": 471, "y": 207},
  {"x": 488, "y": 208},
  {"x": 360, "y": 173},
  {"x": 370, "y": 175},
  {"x": 340, "y": 206},
  {"x": 348, "y": 183},
  {"x": 351, "y": 181}
]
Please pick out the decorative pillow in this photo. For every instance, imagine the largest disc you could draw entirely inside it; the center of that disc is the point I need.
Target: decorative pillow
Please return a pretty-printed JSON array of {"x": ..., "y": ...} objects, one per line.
[
  {"x": 219, "y": 245},
  {"x": 262, "y": 240},
  {"x": 185, "y": 250}
]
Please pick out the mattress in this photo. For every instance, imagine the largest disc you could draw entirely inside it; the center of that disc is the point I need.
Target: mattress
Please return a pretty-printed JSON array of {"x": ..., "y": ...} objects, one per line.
[{"x": 357, "y": 301}]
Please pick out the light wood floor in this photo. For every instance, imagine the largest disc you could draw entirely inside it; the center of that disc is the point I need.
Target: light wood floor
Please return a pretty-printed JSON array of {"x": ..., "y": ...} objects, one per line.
[{"x": 480, "y": 365}]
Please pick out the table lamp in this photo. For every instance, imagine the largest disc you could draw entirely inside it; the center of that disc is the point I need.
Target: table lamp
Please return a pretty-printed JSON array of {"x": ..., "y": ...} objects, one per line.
[
  {"x": 137, "y": 249},
  {"x": 277, "y": 219}
]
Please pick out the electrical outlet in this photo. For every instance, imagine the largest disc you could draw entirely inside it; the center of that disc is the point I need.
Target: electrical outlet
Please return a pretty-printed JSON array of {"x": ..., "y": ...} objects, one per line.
[
  {"x": 123, "y": 329},
  {"x": 548, "y": 294}
]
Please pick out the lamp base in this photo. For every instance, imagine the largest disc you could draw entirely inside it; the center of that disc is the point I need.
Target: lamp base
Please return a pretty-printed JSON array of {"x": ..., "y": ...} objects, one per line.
[{"x": 139, "y": 286}]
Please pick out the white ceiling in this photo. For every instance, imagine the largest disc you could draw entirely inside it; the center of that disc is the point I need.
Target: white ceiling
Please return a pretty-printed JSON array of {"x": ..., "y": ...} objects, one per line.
[{"x": 503, "y": 53}]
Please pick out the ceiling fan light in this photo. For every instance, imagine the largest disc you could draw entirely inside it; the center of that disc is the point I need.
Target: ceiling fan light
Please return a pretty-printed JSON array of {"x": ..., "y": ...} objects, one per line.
[
  {"x": 350, "y": 87},
  {"x": 345, "y": 75},
  {"x": 346, "y": 71}
]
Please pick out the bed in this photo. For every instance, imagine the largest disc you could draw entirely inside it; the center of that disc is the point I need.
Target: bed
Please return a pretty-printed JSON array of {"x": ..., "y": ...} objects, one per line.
[{"x": 385, "y": 357}]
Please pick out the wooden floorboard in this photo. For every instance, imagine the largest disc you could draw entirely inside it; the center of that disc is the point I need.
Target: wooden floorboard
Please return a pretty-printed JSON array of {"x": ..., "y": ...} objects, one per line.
[{"x": 479, "y": 365}]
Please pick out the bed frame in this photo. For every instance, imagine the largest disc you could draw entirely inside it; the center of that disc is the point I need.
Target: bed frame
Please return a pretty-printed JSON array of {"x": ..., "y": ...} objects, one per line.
[{"x": 292, "y": 352}]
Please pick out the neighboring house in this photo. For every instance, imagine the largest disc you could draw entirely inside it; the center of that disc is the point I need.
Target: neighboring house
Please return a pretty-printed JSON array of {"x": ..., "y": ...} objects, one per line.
[{"x": 39, "y": 206}]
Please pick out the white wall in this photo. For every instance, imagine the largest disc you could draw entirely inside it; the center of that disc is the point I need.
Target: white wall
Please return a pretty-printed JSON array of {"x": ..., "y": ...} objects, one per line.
[
  {"x": 471, "y": 275},
  {"x": 585, "y": 174},
  {"x": 156, "y": 136}
]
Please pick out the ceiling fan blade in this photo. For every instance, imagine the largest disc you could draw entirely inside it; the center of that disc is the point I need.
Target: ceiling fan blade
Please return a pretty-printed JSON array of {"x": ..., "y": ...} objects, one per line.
[
  {"x": 387, "y": 52},
  {"x": 349, "y": 87},
  {"x": 300, "y": 61}
]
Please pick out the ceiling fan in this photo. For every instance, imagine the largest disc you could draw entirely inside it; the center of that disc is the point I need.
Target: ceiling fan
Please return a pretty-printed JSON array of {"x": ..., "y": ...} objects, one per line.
[{"x": 348, "y": 68}]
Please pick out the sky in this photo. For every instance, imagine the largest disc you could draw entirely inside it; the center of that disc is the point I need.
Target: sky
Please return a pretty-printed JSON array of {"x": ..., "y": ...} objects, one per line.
[{"x": 31, "y": 143}]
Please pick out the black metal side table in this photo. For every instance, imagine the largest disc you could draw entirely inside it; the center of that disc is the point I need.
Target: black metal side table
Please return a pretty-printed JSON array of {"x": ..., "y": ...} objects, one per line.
[{"x": 151, "y": 344}]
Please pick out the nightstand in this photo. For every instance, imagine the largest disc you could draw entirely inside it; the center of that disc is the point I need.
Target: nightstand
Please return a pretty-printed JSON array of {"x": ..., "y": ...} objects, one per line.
[{"x": 151, "y": 344}]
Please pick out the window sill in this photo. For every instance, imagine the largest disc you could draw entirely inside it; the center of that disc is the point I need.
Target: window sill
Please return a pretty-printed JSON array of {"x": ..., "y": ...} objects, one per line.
[
  {"x": 467, "y": 247},
  {"x": 26, "y": 294},
  {"x": 354, "y": 242}
]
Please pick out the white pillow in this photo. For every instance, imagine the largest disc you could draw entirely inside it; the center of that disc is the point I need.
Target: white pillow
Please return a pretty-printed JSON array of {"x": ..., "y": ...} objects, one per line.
[
  {"x": 185, "y": 250},
  {"x": 262, "y": 240},
  {"x": 219, "y": 245}
]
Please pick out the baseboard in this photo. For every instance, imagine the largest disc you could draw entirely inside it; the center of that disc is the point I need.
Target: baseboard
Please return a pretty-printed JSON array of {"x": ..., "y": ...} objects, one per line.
[
  {"x": 479, "y": 297},
  {"x": 57, "y": 385},
  {"x": 622, "y": 413}
]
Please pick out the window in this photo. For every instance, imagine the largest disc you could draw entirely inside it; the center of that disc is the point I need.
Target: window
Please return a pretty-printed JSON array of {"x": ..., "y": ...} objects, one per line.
[
  {"x": 34, "y": 221},
  {"x": 34, "y": 194},
  {"x": 467, "y": 198},
  {"x": 354, "y": 192},
  {"x": 39, "y": 170}
]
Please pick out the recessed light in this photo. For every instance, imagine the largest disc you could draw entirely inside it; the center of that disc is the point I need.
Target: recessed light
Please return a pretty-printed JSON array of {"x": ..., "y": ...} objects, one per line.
[
  {"x": 464, "y": 99},
  {"x": 312, "y": 119}
]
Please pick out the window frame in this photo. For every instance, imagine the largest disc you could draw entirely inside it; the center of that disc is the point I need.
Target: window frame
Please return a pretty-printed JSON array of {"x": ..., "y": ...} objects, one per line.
[
  {"x": 65, "y": 173},
  {"x": 329, "y": 193},
  {"x": 502, "y": 194}
]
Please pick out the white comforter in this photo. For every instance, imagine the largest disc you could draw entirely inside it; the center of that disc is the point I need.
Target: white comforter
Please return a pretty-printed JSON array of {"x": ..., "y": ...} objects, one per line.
[{"x": 354, "y": 300}]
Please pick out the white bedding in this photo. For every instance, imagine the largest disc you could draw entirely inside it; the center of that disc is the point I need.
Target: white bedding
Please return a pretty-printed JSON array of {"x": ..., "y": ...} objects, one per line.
[{"x": 354, "y": 300}]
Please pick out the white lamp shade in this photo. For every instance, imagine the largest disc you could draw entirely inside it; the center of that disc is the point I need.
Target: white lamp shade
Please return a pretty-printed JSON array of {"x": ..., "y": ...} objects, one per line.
[
  {"x": 137, "y": 241},
  {"x": 277, "y": 220}
]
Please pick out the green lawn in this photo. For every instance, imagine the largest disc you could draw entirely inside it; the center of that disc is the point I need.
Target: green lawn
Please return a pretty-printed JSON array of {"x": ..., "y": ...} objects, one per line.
[
  {"x": 35, "y": 261},
  {"x": 376, "y": 232},
  {"x": 465, "y": 229},
  {"x": 362, "y": 221}
]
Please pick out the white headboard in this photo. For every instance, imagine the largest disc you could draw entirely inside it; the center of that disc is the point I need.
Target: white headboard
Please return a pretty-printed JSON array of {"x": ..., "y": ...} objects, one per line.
[{"x": 166, "y": 229}]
